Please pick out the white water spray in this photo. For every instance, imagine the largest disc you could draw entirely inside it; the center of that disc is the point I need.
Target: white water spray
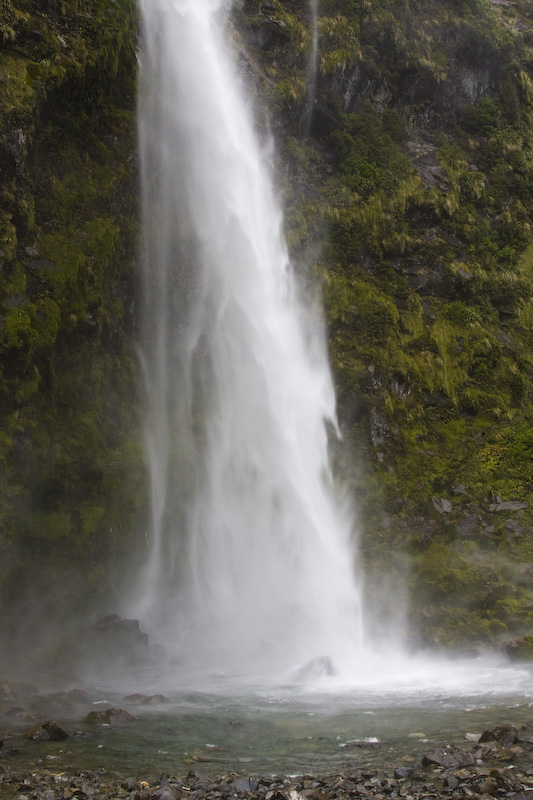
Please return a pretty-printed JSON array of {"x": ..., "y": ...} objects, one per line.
[{"x": 250, "y": 565}]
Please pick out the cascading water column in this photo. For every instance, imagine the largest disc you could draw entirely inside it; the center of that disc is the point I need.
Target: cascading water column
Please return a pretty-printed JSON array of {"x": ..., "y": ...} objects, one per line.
[{"x": 251, "y": 564}]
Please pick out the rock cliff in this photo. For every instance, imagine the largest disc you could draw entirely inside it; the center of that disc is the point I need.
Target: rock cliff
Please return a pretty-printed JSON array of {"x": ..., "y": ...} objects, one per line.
[{"x": 407, "y": 176}]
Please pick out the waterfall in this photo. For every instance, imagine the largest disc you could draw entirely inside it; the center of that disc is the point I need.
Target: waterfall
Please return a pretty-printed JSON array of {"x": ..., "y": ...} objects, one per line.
[{"x": 251, "y": 560}]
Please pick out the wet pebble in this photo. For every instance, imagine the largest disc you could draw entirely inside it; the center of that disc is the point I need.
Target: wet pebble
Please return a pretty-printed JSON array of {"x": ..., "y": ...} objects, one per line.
[{"x": 401, "y": 782}]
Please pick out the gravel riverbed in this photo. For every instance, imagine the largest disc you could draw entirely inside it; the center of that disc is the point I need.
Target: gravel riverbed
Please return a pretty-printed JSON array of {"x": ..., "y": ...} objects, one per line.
[
  {"x": 485, "y": 770},
  {"x": 477, "y": 782}
]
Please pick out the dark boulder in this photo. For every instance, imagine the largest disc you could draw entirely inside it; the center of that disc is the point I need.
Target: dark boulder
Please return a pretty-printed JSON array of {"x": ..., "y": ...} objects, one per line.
[
  {"x": 506, "y": 735},
  {"x": 46, "y": 732},
  {"x": 111, "y": 716},
  {"x": 155, "y": 700},
  {"x": 108, "y": 646},
  {"x": 76, "y": 696},
  {"x": 135, "y": 698},
  {"x": 449, "y": 758}
]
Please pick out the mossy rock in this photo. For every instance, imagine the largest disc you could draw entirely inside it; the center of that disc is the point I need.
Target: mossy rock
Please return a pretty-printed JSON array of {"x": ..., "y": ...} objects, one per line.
[{"x": 521, "y": 650}]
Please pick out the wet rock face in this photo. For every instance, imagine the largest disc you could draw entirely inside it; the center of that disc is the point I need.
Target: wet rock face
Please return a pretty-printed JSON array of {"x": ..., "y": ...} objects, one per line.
[
  {"x": 520, "y": 649},
  {"x": 108, "y": 645}
]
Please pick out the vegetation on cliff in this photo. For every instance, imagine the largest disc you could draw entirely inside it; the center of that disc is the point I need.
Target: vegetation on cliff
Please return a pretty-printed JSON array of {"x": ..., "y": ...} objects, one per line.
[
  {"x": 413, "y": 185},
  {"x": 408, "y": 182},
  {"x": 70, "y": 482}
]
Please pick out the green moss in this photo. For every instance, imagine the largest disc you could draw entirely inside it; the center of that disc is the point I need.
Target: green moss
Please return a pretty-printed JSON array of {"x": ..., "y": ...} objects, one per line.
[
  {"x": 91, "y": 516},
  {"x": 50, "y": 525},
  {"x": 8, "y": 237},
  {"x": 67, "y": 242},
  {"x": 18, "y": 94},
  {"x": 524, "y": 649},
  {"x": 6, "y": 444},
  {"x": 445, "y": 574}
]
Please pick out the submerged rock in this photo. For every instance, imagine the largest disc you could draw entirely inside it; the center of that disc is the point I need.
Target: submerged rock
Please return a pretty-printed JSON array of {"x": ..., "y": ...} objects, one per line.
[
  {"x": 155, "y": 700},
  {"x": 77, "y": 696},
  {"x": 135, "y": 698},
  {"x": 111, "y": 716},
  {"x": 370, "y": 743},
  {"x": 319, "y": 667}
]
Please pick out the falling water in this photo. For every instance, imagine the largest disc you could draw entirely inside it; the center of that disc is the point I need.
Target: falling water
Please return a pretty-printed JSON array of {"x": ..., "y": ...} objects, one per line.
[{"x": 251, "y": 566}]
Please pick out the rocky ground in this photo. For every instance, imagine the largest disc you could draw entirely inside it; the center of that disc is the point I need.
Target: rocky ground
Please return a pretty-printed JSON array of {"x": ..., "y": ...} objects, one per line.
[
  {"x": 493, "y": 765},
  {"x": 430, "y": 780}
]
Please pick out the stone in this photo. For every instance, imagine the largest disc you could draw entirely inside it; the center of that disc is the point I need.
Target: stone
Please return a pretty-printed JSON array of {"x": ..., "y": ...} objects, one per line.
[
  {"x": 511, "y": 505},
  {"x": 519, "y": 649},
  {"x": 245, "y": 785},
  {"x": 467, "y": 526},
  {"x": 14, "y": 711},
  {"x": 110, "y": 644},
  {"x": 428, "y": 311},
  {"x": 441, "y": 505},
  {"x": 510, "y": 753},
  {"x": 135, "y": 698},
  {"x": 403, "y": 772},
  {"x": 451, "y": 782},
  {"x": 488, "y": 750},
  {"x": 46, "y": 732},
  {"x": 77, "y": 696},
  {"x": 165, "y": 793},
  {"x": 448, "y": 758},
  {"x": 525, "y": 795},
  {"x": 318, "y": 667},
  {"x": 111, "y": 716},
  {"x": 488, "y": 787},
  {"x": 42, "y": 265},
  {"x": 155, "y": 700},
  {"x": 506, "y": 735},
  {"x": 361, "y": 743}
]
